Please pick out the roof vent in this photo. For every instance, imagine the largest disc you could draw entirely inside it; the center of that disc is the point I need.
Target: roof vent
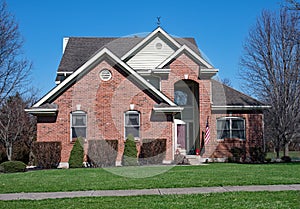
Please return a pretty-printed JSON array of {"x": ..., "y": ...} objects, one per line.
[{"x": 105, "y": 75}]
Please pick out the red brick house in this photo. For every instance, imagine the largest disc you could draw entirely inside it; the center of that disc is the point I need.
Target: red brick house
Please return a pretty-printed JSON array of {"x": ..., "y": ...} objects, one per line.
[{"x": 154, "y": 87}]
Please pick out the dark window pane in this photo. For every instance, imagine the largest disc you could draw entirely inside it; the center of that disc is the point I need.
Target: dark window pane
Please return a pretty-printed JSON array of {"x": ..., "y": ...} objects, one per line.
[
  {"x": 223, "y": 125},
  {"x": 238, "y": 134},
  {"x": 78, "y": 120},
  {"x": 78, "y": 132},
  {"x": 135, "y": 131},
  {"x": 237, "y": 124},
  {"x": 223, "y": 134},
  {"x": 132, "y": 120}
]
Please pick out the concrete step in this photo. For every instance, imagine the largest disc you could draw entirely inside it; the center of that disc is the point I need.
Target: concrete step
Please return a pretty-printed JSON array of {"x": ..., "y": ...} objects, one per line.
[{"x": 195, "y": 159}]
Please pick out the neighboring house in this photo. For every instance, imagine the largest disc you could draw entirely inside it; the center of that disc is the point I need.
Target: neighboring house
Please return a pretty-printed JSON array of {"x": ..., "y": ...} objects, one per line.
[{"x": 155, "y": 87}]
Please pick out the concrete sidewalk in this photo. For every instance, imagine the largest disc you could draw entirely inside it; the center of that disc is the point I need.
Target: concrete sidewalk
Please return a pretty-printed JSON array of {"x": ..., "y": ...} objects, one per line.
[{"x": 162, "y": 191}]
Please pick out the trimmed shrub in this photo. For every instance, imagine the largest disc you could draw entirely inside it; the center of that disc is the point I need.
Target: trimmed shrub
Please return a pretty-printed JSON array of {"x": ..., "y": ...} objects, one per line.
[
  {"x": 286, "y": 159},
  {"x": 257, "y": 154},
  {"x": 153, "y": 151},
  {"x": 237, "y": 154},
  {"x": 12, "y": 167},
  {"x": 130, "y": 152},
  {"x": 47, "y": 154},
  {"x": 102, "y": 153},
  {"x": 77, "y": 154}
]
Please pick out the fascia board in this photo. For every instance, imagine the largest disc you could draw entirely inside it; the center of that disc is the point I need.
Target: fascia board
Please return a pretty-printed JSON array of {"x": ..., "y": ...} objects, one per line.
[
  {"x": 240, "y": 107},
  {"x": 168, "y": 109},
  {"x": 41, "y": 111},
  {"x": 190, "y": 52},
  {"x": 145, "y": 40}
]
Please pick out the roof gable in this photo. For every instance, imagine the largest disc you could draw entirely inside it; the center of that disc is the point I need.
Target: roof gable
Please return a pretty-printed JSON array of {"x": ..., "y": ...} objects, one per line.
[
  {"x": 88, "y": 65},
  {"x": 157, "y": 32},
  {"x": 152, "y": 54}
]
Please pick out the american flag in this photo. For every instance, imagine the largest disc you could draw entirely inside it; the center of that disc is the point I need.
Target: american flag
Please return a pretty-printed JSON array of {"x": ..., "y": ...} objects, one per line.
[{"x": 207, "y": 133}]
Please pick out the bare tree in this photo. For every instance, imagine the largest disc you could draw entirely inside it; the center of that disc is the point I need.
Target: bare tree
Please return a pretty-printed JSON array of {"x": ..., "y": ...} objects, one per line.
[
  {"x": 270, "y": 69},
  {"x": 225, "y": 81},
  {"x": 292, "y": 5},
  {"x": 15, "y": 123},
  {"x": 14, "y": 68}
]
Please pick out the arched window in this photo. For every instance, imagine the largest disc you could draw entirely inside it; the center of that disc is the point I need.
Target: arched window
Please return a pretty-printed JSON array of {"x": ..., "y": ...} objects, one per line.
[
  {"x": 78, "y": 125},
  {"x": 132, "y": 123},
  {"x": 231, "y": 127}
]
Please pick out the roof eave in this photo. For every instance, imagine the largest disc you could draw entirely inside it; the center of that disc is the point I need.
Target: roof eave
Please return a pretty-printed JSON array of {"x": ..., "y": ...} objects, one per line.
[
  {"x": 207, "y": 73},
  {"x": 240, "y": 107},
  {"x": 43, "y": 112},
  {"x": 168, "y": 109}
]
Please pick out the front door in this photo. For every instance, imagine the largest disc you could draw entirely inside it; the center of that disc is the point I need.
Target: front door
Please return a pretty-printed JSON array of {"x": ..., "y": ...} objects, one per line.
[{"x": 180, "y": 135}]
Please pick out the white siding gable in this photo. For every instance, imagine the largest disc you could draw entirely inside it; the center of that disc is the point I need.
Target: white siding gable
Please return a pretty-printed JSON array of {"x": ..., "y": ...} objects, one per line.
[{"x": 151, "y": 55}]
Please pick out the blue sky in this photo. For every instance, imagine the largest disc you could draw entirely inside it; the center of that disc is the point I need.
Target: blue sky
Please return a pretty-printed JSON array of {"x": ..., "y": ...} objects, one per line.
[{"x": 219, "y": 27}]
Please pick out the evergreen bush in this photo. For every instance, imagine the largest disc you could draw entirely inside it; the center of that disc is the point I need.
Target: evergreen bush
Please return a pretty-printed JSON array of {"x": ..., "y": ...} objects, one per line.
[
  {"x": 77, "y": 154},
  {"x": 12, "y": 167},
  {"x": 130, "y": 152}
]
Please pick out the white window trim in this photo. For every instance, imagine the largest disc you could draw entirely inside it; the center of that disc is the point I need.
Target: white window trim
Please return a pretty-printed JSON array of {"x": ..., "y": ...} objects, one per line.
[
  {"x": 230, "y": 126},
  {"x": 71, "y": 123},
  {"x": 127, "y": 113}
]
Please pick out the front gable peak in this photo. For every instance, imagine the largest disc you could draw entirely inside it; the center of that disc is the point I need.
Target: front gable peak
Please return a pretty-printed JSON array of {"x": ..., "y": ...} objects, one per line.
[{"x": 158, "y": 33}]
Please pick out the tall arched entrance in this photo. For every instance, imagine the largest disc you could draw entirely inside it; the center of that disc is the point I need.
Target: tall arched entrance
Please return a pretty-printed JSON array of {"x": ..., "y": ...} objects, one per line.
[{"x": 186, "y": 94}]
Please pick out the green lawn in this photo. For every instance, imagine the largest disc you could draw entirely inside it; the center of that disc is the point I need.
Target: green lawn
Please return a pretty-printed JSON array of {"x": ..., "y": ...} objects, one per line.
[
  {"x": 215, "y": 174},
  {"x": 285, "y": 199}
]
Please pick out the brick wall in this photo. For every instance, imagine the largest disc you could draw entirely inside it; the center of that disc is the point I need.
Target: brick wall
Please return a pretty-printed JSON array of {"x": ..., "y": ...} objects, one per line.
[
  {"x": 254, "y": 135},
  {"x": 105, "y": 103}
]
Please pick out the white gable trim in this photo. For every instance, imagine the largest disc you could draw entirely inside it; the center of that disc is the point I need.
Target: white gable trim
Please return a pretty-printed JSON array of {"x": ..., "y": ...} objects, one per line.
[
  {"x": 151, "y": 35},
  {"x": 240, "y": 107},
  {"x": 190, "y": 52},
  {"x": 88, "y": 64}
]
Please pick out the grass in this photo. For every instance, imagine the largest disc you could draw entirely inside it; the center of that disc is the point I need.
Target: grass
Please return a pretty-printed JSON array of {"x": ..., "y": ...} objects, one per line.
[
  {"x": 295, "y": 155},
  {"x": 284, "y": 199},
  {"x": 180, "y": 176}
]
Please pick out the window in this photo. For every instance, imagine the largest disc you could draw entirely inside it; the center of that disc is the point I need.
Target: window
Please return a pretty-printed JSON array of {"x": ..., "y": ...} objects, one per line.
[
  {"x": 180, "y": 97},
  {"x": 231, "y": 127},
  {"x": 132, "y": 123},
  {"x": 78, "y": 125}
]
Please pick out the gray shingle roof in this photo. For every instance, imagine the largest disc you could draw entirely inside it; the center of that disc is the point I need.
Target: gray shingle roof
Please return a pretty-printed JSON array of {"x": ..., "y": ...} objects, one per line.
[
  {"x": 223, "y": 95},
  {"x": 80, "y": 49}
]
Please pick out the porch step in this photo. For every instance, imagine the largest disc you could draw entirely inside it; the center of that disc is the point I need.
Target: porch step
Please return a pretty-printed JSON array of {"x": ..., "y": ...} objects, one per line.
[
  {"x": 195, "y": 159},
  {"x": 181, "y": 151}
]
